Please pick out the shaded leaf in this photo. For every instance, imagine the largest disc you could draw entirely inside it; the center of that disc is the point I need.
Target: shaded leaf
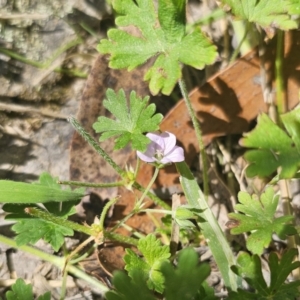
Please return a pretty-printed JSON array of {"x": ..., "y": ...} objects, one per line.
[
  {"x": 128, "y": 288},
  {"x": 46, "y": 296},
  {"x": 185, "y": 282},
  {"x": 249, "y": 267},
  {"x": 273, "y": 148},
  {"x": 275, "y": 13}
]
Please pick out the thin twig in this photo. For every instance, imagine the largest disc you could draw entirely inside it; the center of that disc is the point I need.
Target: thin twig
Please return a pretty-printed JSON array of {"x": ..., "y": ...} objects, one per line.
[
  {"x": 175, "y": 227},
  {"x": 28, "y": 109},
  {"x": 198, "y": 132},
  {"x": 13, "y": 16}
]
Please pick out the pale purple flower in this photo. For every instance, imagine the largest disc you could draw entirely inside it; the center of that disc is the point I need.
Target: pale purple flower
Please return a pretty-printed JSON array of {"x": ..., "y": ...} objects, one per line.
[{"x": 162, "y": 149}]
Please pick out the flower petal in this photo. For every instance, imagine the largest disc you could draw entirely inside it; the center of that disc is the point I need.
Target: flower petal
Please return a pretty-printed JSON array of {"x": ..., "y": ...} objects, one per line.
[
  {"x": 162, "y": 149},
  {"x": 176, "y": 155},
  {"x": 157, "y": 140},
  {"x": 169, "y": 140},
  {"x": 146, "y": 158}
]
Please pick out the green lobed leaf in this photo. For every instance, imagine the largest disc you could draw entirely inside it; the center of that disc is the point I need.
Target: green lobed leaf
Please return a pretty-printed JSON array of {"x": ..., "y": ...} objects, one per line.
[
  {"x": 131, "y": 120},
  {"x": 133, "y": 261},
  {"x": 162, "y": 35},
  {"x": 185, "y": 282},
  {"x": 32, "y": 230},
  {"x": 266, "y": 13},
  {"x": 294, "y": 9},
  {"x": 46, "y": 296},
  {"x": 272, "y": 148},
  {"x": 154, "y": 255},
  {"x": 292, "y": 125},
  {"x": 206, "y": 292},
  {"x": 258, "y": 217},
  {"x": 249, "y": 267},
  {"x": 20, "y": 291},
  {"x": 280, "y": 270},
  {"x": 171, "y": 16},
  {"x": 129, "y": 288},
  {"x": 152, "y": 249}
]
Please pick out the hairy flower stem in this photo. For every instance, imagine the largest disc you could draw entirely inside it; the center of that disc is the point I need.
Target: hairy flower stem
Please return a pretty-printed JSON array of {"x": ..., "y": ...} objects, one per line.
[
  {"x": 154, "y": 198},
  {"x": 197, "y": 128},
  {"x": 63, "y": 289},
  {"x": 44, "y": 215},
  {"x": 89, "y": 184},
  {"x": 280, "y": 88},
  {"x": 105, "y": 210},
  {"x": 243, "y": 39},
  {"x": 73, "y": 253},
  {"x": 138, "y": 204},
  {"x": 120, "y": 238},
  {"x": 159, "y": 211},
  {"x": 96, "y": 146},
  {"x": 57, "y": 261}
]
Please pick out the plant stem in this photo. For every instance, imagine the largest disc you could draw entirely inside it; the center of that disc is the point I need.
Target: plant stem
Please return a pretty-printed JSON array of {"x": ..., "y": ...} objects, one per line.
[
  {"x": 280, "y": 88},
  {"x": 88, "y": 184},
  {"x": 154, "y": 198},
  {"x": 96, "y": 146},
  {"x": 137, "y": 167},
  {"x": 120, "y": 238},
  {"x": 47, "y": 63},
  {"x": 105, "y": 210},
  {"x": 134, "y": 232},
  {"x": 148, "y": 187},
  {"x": 63, "y": 286},
  {"x": 44, "y": 215},
  {"x": 77, "y": 249},
  {"x": 213, "y": 16},
  {"x": 160, "y": 211},
  {"x": 121, "y": 222},
  {"x": 281, "y": 102},
  {"x": 239, "y": 28},
  {"x": 238, "y": 48},
  {"x": 57, "y": 261},
  {"x": 198, "y": 135},
  {"x": 175, "y": 230}
]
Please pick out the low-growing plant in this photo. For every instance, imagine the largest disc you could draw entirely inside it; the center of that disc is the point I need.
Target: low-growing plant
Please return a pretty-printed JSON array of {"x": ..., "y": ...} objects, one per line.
[{"x": 153, "y": 271}]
